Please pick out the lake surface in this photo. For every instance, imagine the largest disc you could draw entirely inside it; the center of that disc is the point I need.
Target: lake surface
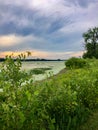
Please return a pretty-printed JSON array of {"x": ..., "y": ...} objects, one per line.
[{"x": 56, "y": 67}]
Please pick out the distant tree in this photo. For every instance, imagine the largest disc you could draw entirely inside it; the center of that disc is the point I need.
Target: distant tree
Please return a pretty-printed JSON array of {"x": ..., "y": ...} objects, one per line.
[{"x": 91, "y": 43}]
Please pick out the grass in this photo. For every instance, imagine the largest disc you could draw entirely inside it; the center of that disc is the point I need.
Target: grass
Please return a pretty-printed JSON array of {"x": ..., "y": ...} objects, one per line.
[{"x": 92, "y": 122}]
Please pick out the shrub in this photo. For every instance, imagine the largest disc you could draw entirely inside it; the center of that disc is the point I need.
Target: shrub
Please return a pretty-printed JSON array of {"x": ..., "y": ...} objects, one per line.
[{"x": 75, "y": 63}]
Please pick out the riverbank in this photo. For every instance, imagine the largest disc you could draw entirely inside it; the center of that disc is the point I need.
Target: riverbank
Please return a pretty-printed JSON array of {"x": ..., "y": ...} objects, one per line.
[{"x": 64, "y": 101}]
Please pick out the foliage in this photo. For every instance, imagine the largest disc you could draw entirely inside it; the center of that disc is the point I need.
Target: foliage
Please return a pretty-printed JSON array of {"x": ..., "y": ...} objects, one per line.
[
  {"x": 39, "y": 70},
  {"x": 92, "y": 123},
  {"x": 61, "y": 103},
  {"x": 12, "y": 80},
  {"x": 75, "y": 63},
  {"x": 91, "y": 43}
]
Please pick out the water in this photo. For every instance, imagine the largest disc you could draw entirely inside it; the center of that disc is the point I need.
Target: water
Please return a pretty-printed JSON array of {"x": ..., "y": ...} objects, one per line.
[{"x": 56, "y": 67}]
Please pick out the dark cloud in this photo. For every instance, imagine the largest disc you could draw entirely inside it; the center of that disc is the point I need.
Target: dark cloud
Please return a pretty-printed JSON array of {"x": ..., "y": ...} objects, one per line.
[
  {"x": 59, "y": 23},
  {"x": 55, "y": 27},
  {"x": 82, "y": 3},
  {"x": 16, "y": 20},
  {"x": 24, "y": 21}
]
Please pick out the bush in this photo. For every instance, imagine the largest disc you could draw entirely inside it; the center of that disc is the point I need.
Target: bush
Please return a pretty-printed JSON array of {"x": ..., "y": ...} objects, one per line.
[{"x": 76, "y": 63}]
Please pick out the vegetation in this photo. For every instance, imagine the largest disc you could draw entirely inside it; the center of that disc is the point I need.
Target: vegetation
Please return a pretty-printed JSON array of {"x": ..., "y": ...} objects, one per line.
[
  {"x": 75, "y": 63},
  {"x": 61, "y": 103},
  {"x": 92, "y": 123},
  {"x": 39, "y": 70},
  {"x": 91, "y": 43}
]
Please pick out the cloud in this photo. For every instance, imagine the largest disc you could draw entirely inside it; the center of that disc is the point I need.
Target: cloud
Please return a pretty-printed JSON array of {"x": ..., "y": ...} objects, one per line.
[
  {"x": 10, "y": 40},
  {"x": 38, "y": 16},
  {"x": 46, "y": 25},
  {"x": 44, "y": 17}
]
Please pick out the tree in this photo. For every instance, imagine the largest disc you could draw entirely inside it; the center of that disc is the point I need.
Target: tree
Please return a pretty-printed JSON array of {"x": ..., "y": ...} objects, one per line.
[{"x": 91, "y": 43}]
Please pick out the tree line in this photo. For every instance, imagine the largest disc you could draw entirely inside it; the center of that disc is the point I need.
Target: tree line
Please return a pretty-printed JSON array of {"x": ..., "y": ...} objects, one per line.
[{"x": 38, "y": 59}]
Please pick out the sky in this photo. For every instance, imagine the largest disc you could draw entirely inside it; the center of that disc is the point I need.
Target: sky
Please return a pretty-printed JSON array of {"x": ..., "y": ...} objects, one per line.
[{"x": 50, "y": 29}]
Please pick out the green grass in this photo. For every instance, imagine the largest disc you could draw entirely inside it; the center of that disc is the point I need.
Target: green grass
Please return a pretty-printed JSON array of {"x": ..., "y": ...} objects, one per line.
[{"x": 92, "y": 122}]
